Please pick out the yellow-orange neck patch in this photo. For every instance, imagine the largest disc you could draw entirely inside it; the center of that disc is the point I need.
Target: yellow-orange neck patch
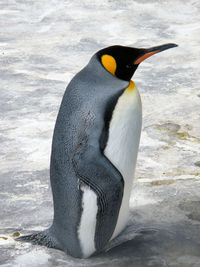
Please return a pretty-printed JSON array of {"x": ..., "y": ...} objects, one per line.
[
  {"x": 131, "y": 86},
  {"x": 109, "y": 63}
]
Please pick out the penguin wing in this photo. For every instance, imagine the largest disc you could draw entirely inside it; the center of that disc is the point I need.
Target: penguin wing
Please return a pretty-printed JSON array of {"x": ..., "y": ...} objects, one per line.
[{"x": 96, "y": 171}]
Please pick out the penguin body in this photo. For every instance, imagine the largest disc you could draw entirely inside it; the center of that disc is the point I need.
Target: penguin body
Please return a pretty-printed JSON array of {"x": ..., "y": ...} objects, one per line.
[
  {"x": 87, "y": 188},
  {"x": 94, "y": 152}
]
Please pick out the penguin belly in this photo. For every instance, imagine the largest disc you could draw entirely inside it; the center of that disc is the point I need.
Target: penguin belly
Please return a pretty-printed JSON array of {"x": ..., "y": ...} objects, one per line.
[{"x": 122, "y": 145}]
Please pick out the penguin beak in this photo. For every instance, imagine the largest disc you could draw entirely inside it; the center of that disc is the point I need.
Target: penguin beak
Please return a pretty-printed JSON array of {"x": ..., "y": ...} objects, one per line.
[{"x": 153, "y": 50}]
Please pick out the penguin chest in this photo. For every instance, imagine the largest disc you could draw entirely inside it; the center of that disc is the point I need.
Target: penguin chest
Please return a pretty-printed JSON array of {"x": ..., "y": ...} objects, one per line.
[{"x": 122, "y": 145}]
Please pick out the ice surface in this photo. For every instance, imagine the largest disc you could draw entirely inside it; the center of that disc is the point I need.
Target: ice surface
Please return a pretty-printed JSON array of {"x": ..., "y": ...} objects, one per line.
[{"x": 42, "y": 45}]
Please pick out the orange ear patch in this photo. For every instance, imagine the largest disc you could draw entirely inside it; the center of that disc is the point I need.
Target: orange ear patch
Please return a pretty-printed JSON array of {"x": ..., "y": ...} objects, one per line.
[
  {"x": 109, "y": 63},
  {"x": 140, "y": 59}
]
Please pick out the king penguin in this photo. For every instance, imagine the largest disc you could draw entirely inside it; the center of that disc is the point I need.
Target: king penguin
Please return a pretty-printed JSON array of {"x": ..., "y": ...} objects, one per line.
[{"x": 94, "y": 152}]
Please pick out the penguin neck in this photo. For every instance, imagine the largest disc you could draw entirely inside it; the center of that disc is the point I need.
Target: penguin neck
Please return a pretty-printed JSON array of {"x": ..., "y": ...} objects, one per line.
[
  {"x": 131, "y": 87},
  {"x": 97, "y": 68}
]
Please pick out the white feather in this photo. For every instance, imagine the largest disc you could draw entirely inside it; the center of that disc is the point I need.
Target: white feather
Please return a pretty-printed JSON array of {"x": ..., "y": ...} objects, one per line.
[
  {"x": 86, "y": 231},
  {"x": 122, "y": 146}
]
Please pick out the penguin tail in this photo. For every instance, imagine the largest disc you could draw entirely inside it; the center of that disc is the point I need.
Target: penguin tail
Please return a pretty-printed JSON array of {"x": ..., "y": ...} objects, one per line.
[{"x": 42, "y": 238}]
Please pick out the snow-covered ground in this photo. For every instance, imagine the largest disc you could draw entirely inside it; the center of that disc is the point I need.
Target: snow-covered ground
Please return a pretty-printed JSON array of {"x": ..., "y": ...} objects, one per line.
[{"x": 42, "y": 45}]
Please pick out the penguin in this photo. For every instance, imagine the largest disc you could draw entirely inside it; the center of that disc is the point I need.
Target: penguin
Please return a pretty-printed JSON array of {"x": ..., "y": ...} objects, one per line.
[{"x": 94, "y": 152}]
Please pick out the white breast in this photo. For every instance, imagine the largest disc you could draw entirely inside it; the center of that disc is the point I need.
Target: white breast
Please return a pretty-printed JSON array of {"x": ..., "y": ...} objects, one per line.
[
  {"x": 86, "y": 230},
  {"x": 122, "y": 145}
]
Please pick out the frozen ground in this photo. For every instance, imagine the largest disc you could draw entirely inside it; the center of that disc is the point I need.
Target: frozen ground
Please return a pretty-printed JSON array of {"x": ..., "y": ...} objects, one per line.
[{"x": 42, "y": 45}]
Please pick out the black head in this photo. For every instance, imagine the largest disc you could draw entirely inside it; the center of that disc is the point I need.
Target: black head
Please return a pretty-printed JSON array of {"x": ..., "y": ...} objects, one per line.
[{"x": 122, "y": 61}]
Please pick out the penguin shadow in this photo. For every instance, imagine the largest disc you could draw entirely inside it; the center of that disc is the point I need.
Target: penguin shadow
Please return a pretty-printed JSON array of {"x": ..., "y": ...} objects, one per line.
[
  {"x": 131, "y": 242},
  {"x": 149, "y": 246}
]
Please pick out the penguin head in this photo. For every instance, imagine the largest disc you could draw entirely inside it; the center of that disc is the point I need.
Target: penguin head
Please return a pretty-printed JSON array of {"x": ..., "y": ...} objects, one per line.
[{"x": 122, "y": 61}]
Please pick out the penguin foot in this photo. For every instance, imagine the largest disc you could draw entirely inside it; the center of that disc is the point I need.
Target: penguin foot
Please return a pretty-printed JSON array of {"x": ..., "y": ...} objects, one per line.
[{"x": 43, "y": 238}]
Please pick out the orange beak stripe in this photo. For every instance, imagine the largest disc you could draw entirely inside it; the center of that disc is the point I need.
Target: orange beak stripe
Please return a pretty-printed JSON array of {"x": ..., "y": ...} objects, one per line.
[{"x": 139, "y": 60}]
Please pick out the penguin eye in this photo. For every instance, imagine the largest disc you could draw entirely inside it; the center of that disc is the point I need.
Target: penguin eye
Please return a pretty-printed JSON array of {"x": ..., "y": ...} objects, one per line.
[{"x": 128, "y": 66}]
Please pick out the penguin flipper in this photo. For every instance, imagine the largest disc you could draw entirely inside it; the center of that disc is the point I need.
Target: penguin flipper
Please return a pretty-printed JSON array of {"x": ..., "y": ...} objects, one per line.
[{"x": 96, "y": 171}]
